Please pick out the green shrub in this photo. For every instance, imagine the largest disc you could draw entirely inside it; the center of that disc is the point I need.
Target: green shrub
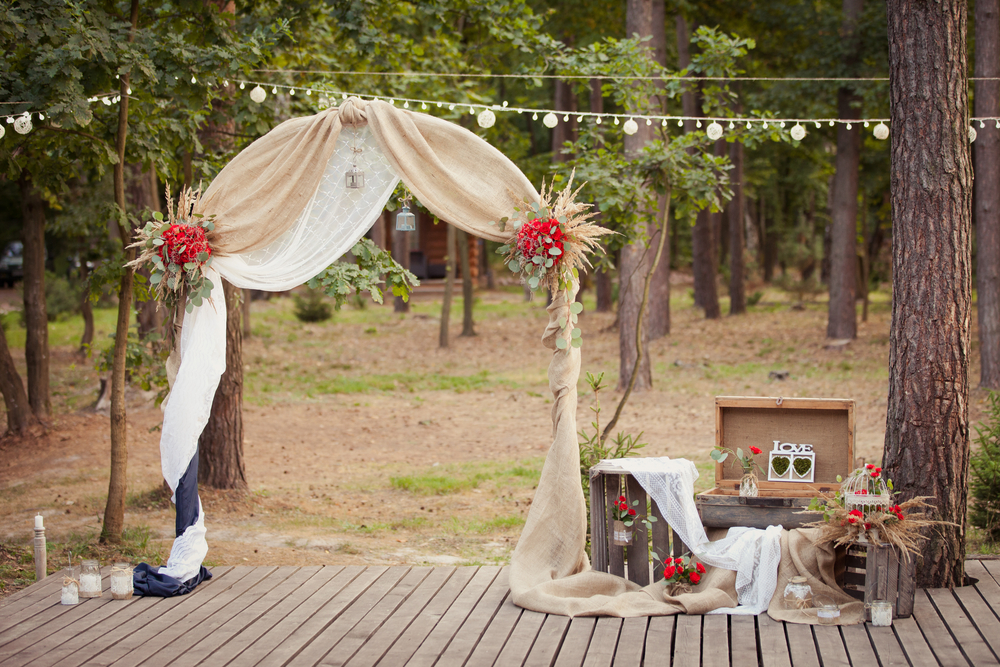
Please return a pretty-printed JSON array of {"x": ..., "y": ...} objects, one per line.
[
  {"x": 984, "y": 485},
  {"x": 755, "y": 298},
  {"x": 312, "y": 307},
  {"x": 62, "y": 298}
]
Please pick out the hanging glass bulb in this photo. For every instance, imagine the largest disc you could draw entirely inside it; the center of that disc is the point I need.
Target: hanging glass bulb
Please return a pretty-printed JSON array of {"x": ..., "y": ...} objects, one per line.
[
  {"x": 732, "y": 125},
  {"x": 680, "y": 122},
  {"x": 714, "y": 131},
  {"x": 982, "y": 123},
  {"x": 308, "y": 92},
  {"x": 630, "y": 127},
  {"x": 405, "y": 220},
  {"x": 505, "y": 104},
  {"x": 423, "y": 105},
  {"x": 597, "y": 120},
  {"x": 798, "y": 132},
  {"x": 566, "y": 118},
  {"x": 534, "y": 116},
  {"x": 765, "y": 124},
  {"x": 866, "y": 123},
  {"x": 817, "y": 125},
  {"x": 550, "y": 120},
  {"x": 698, "y": 124},
  {"x": 194, "y": 80},
  {"x": 649, "y": 121},
  {"x": 487, "y": 118},
  {"x": 881, "y": 131},
  {"x": 848, "y": 127},
  {"x": 274, "y": 91},
  {"x": 258, "y": 94},
  {"x": 291, "y": 91}
]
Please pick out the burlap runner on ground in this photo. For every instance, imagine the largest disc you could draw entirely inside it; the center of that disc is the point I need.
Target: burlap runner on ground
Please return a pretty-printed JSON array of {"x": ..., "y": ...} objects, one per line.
[{"x": 456, "y": 175}]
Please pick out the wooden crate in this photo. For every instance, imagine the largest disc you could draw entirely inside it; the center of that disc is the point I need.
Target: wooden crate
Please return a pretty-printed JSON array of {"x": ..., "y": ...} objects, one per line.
[
  {"x": 741, "y": 421},
  {"x": 607, "y": 483},
  {"x": 878, "y": 573}
]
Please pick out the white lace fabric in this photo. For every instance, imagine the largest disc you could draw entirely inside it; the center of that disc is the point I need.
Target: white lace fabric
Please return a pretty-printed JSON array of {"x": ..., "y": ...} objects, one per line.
[
  {"x": 330, "y": 224},
  {"x": 754, "y": 554}
]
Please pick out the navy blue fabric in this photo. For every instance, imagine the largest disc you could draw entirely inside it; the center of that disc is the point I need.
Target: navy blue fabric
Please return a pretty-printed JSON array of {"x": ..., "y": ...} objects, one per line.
[
  {"x": 186, "y": 497},
  {"x": 146, "y": 580}
]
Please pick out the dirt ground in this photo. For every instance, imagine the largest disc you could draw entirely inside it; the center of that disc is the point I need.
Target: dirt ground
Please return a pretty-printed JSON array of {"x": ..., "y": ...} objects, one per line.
[{"x": 366, "y": 443}]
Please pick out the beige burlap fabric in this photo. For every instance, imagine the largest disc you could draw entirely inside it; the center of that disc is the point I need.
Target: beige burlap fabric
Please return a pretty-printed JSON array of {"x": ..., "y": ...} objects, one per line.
[{"x": 459, "y": 177}]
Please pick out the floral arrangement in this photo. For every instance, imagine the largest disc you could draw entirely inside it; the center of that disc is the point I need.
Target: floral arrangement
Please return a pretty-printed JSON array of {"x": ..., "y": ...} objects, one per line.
[
  {"x": 620, "y": 511},
  {"x": 549, "y": 239},
  {"x": 864, "y": 510},
  {"x": 680, "y": 573},
  {"x": 177, "y": 252},
  {"x": 747, "y": 461}
]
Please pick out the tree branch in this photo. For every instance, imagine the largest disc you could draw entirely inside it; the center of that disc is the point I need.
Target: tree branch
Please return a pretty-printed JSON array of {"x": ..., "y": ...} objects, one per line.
[{"x": 82, "y": 134}]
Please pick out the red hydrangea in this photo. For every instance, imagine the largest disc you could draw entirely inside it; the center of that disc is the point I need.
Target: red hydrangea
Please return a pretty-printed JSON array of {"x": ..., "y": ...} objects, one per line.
[
  {"x": 538, "y": 236},
  {"x": 183, "y": 244}
]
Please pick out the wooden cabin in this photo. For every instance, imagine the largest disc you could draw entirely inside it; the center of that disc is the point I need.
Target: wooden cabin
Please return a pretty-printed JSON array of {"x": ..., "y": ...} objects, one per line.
[{"x": 423, "y": 251}]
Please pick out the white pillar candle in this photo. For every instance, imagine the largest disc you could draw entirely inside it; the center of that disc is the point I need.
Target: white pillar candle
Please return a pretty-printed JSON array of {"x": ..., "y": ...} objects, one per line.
[{"x": 38, "y": 522}]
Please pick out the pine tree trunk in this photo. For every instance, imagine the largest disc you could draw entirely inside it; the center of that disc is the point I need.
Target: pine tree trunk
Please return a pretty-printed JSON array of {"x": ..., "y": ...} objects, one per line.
[
  {"x": 565, "y": 131},
  {"x": 449, "y": 285},
  {"x": 36, "y": 320},
  {"x": 86, "y": 311},
  {"x": 986, "y": 191},
  {"x": 927, "y": 426},
  {"x": 20, "y": 418},
  {"x": 245, "y": 313},
  {"x": 842, "y": 317},
  {"x": 141, "y": 193},
  {"x": 467, "y": 296},
  {"x": 737, "y": 285},
  {"x": 602, "y": 279},
  {"x": 220, "y": 447},
  {"x": 114, "y": 510}
]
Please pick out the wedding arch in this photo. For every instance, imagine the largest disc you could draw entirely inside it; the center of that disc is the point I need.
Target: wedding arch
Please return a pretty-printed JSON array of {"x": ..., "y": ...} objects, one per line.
[{"x": 282, "y": 213}]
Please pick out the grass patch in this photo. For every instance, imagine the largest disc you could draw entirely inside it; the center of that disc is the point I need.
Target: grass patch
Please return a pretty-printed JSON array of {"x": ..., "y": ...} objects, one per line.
[
  {"x": 443, "y": 480},
  {"x": 411, "y": 382}
]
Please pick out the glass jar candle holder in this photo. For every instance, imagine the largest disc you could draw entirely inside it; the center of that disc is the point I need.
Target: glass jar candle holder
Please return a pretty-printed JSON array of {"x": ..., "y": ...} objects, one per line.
[
  {"x": 827, "y": 610},
  {"x": 798, "y": 594},
  {"x": 121, "y": 581},
  {"x": 90, "y": 579},
  {"x": 70, "y": 587},
  {"x": 881, "y": 612}
]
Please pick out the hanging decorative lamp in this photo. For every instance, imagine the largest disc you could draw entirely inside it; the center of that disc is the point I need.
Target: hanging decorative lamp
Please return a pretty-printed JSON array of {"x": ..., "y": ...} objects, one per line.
[
  {"x": 405, "y": 220},
  {"x": 355, "y": 177}
]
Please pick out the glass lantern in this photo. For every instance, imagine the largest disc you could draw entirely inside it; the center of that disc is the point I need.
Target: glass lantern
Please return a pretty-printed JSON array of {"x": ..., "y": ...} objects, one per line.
[
  {"x": 121, "y": 581},
  {"x": 405, "y": 221},
  {"x": 355, "y": 178},
  {"x": 798, "y": 594},
  {"x": 90, "y": 579}
]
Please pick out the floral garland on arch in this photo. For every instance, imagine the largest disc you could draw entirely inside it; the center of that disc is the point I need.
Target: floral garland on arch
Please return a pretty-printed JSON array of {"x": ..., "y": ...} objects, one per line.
[
  {"x": 548, "y": 245},
  {"x": 177, "y": 252}
]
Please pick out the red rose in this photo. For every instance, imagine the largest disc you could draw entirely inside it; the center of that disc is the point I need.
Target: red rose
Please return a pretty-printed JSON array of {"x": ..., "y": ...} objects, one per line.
[
  {"x": 899, "y": 515},
  {"x": 868, "y": 526},
  {"x": 631, "y": 512},
  {"x": 874, "y": 474},
  {"x": 878, "y": 470},
  {"x": 700, "y": 568},
  {"x": 695, "y": 577},
  {"x": 668, "y": 571},
  {"x": 870, "y": 466},
  {"x": 852, "y": 519},
  {"x": 756, "y": 450},
  {"x": 621, "y": 499},
  {"x": 678, "y": 561},
  {"x": 864, "y": 492}
]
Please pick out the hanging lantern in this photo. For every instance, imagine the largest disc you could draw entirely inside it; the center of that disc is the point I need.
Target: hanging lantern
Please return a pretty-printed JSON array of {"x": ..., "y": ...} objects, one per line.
[
  {"x": 22, "y": 125},
  {"x": 258, "y": 94},
  {"x": 798, "y": 132},
  {"x": 486, "y": 119},
  {"x": 714, "y": 131},
  {"x": 405, "y": 220},
  {"x": 881, "y": 131},
  {"x": 972, "y": 133},
  {"x": 630, "y": 127},
  {"x": 550, "y": 120},
  {"x": 355, "y": 178}
]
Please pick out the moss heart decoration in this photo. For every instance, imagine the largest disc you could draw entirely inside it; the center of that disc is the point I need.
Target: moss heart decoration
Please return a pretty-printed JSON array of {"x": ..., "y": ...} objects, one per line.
[
  {"x": 802, "y": 466},
  {"x": 779, "y": 464}
]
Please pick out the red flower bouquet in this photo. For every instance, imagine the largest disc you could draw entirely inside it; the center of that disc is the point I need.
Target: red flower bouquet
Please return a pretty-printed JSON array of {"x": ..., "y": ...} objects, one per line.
[{"x": 679, "y": 574}]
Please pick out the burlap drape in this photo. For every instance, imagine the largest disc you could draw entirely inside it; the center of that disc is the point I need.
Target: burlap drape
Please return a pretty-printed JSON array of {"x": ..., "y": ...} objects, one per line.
[{"x": 457, "y": 176}]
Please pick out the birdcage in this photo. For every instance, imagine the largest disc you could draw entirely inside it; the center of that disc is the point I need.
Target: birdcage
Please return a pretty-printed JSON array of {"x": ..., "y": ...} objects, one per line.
[{"x": 865, "y": 490}]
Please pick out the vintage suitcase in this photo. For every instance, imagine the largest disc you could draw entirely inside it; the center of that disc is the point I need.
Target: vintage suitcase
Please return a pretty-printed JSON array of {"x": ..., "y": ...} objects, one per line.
[{"x": 818, "y": 430}]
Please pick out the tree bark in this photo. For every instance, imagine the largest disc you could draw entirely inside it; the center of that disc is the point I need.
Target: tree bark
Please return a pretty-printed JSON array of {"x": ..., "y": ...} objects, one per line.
[
  {"x": 602, "y": 279},
  {"x": 142, "y": 192},
  {"x": 636, "y": 258},
  {"x": 449, "y": 285},
  {"x": 220, "y": 447},
  {"x": 86, "y": 311},
  {"x": 20, "y": 418},
  {"x": 114, "y": 510},
  {"x": 842, "y": 321},
  {"x": 986, "y": 191},
  {"x": 927, "y": 426},
  {"x": 564, "y": 131},
  {"x": 467, "y": 298},
  {"x": 737, "y": 285},
  {"x": 36, "y": 320}
]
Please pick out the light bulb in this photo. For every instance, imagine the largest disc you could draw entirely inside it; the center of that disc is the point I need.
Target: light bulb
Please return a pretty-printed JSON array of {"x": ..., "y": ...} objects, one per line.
[
  {"x": 194, "y": 80},
  {"x": 242, "y": 85}
]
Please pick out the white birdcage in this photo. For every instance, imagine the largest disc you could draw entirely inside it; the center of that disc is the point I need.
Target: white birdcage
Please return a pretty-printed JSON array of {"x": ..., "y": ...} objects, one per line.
[{"x": 865, "y": 490}]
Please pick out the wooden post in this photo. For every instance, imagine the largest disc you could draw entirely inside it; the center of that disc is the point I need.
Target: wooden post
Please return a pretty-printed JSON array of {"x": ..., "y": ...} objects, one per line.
[
  {"x": 598, "y": 529},
  {"x": 638, "y": 551},
  {"x": 41, "y": 557}
]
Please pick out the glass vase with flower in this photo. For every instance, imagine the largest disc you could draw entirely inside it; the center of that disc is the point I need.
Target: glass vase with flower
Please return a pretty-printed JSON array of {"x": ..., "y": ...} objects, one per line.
[{"x": 749, "y": 465}]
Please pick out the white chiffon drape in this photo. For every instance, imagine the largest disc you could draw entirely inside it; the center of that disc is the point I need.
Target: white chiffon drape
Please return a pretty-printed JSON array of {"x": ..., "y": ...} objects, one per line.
[{"x": 333, "y": 221}]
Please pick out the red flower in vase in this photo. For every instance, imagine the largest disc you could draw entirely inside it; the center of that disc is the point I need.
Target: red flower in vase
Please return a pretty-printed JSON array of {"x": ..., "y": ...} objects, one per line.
[
  {"x": 756, "y": 450},
  {"x": 694, "y": 577},
  {"x": 668, "y": 571}
]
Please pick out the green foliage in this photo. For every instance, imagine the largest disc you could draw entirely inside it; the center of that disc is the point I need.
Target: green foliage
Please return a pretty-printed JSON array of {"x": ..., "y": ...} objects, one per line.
[
  {"x": 984, "y": 464},
  {"x": 372, "y": 263},
  {"x": 592, "y": 449},
  {"x": 754, "y": 299},
  {"x": 312, "y": 307},
  {"x": 145, "y": 361}
]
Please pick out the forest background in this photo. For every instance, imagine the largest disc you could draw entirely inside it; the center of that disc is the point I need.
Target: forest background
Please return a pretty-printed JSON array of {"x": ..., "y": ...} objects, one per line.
[{"x": 792, "y": 238}]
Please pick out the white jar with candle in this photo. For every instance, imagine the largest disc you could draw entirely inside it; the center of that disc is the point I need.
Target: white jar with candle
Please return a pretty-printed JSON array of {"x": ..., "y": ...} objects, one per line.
[
  {"x": 121, "y": 581},
  {"x": 881, "y": 613},
  {"x": 90, "y": 579},
  {"x": 70, "y": 587}
]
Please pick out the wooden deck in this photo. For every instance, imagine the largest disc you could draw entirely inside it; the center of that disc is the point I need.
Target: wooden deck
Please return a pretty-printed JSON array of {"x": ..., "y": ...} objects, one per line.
[{"x": 458, "y": 616}]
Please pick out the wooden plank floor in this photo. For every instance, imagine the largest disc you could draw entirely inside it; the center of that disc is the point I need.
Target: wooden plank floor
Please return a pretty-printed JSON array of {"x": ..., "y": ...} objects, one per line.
[{"x": 422, "y": 616}]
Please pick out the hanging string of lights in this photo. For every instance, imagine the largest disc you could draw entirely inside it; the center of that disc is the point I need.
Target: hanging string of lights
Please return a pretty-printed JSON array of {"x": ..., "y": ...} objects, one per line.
[{"x": 486, "y": 114}]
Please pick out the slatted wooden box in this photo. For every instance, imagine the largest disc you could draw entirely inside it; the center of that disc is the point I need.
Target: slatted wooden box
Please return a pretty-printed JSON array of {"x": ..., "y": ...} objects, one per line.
[
  {"x": 873, "y": 573},
  {"x": 741, "y": 421},
  {"x": 607, "y": 483}
]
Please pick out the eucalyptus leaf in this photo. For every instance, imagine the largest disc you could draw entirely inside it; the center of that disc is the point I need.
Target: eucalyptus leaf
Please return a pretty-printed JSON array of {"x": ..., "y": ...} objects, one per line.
[
  {"x": 562, "y": 322},
  {"x": 716, "y": 454},
  {"x": 577, "y": 342},
  {"x": 722, "y": 459},
  {"x": 561, "y": 343},
  {"x": 739, "y": 453},
  {"x": 576, "y": 307},
  {"x": 576, "y": 333},
  {"x": 514, "y": 265},
  {"x": 555, "y": 251},
  {"x": 503, "y": 250},
  {"x": 548, "y": 263}
]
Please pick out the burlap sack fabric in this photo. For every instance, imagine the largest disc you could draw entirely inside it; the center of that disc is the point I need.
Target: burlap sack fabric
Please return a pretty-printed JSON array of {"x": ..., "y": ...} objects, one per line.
[
  {"x": 463, "y": 180},
  {"x": 454, "y": 174}
]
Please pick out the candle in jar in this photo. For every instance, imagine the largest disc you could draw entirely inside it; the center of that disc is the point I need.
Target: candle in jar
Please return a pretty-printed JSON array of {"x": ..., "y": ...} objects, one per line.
[
  {"x": 121, "y": 581},
  {"x": 90, "y": 579},
  {"x": 70, "y": 591},
  {"x": 881, "y": 613}
]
